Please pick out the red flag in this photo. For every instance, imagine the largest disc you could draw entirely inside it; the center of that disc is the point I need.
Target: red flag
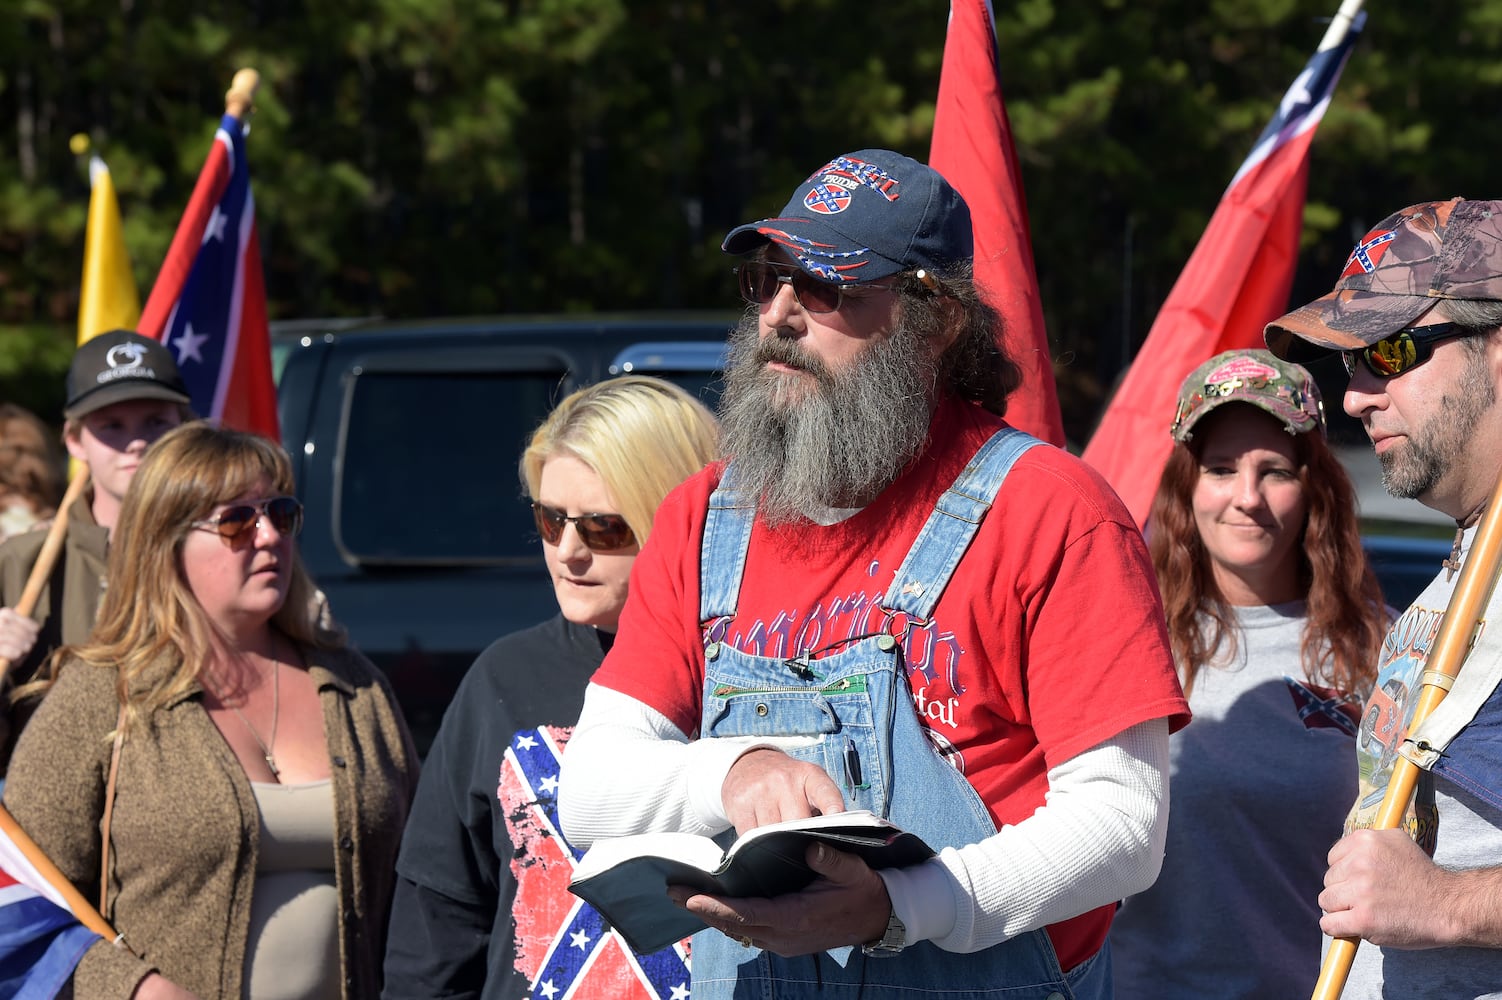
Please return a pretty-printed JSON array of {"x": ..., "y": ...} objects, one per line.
[
  {"x": 972, "y": 148},
  {"x": 1237, "y": 280},
  {"x": 209, "y": 301}
]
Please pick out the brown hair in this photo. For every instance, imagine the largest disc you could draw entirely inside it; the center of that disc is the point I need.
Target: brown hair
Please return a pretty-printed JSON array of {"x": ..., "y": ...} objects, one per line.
[
  {"x": 1345, "y": 616},
  {"x": 975, "y": 366},
  {"x": 30, "y": 465},
  {"x": 149, "y": 615}
]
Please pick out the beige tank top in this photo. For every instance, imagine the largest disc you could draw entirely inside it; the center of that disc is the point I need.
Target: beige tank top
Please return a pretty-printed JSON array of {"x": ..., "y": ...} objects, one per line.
[{"x": 293, "y": 949}]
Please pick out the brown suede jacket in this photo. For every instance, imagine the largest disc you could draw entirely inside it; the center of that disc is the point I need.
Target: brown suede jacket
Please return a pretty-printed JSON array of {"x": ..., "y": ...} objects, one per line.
[{"x": 185, "y": 827}]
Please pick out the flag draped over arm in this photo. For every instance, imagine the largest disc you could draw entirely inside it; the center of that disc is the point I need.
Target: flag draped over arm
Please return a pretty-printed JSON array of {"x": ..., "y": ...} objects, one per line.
[
  {"x": 1237, "y": 280},
  {"x": 972, "y": 148},
  {"x": 41, "y": 939},
  {"x": 209, "y": 301},
  {"x": 108, "y": 299}
]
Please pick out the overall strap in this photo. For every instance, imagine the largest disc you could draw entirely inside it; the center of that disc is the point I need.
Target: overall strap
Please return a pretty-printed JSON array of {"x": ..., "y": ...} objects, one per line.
[
  {"x": 949, "y": 530},
  {"x": 722, "y": 555}
]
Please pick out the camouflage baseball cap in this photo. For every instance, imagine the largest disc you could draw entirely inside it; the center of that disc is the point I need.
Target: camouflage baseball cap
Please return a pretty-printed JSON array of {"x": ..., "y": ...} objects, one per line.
[
  {"x": 1413, "y": 259},
  {"x": 1280, "y": 388}
]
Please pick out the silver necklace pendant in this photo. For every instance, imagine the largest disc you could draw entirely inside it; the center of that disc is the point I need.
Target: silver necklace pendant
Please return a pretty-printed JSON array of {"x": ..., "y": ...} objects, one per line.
[{"x": 266, "y": 746}]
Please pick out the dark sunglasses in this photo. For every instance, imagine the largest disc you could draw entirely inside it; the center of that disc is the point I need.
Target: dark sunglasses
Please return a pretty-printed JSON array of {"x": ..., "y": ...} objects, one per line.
[
  {"x": 761, "y": 279},
  {"x": 1402, "y": 351},
  {"x": 598, "y": 532},
  {"x": 282, "y": 513}
]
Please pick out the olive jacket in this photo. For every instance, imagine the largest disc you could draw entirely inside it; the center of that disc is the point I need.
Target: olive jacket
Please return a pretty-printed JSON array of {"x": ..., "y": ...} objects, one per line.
[
  {"x": 185, "y": 827},
  {"x": 78, "y": 576},
  {"x": 69, "y": 601}
]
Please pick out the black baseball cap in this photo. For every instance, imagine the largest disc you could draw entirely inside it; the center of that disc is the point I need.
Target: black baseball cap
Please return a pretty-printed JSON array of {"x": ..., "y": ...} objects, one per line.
[{"x": 119, "y": 365}]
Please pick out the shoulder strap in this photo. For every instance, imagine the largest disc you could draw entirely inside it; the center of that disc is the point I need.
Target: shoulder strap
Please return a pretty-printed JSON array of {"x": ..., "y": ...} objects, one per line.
[
  {"x": 109, "y": 810},
  {"x": 722, "y": 552},
  {"x": 937, "y": 550}
]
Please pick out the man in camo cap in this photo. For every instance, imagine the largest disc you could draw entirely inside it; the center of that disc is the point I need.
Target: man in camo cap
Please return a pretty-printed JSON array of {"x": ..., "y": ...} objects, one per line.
[{"x": 1416, "y": 316}]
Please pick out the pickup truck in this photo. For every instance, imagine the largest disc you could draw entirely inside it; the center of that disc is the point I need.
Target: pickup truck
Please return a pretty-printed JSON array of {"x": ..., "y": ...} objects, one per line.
[{"x": 405, "y": 440}]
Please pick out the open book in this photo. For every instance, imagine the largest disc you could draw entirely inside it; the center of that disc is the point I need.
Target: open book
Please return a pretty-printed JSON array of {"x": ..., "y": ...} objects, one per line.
[{"x": 626, "y": 878}]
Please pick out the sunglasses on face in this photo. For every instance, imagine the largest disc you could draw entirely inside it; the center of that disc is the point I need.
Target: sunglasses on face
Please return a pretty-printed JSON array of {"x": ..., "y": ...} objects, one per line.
[
  {"x": 1402, "y": 351},
  {"x": 598, "y": 532},
  {"x": 282, "y": 513},
  {"x": 760, "y": 281}
]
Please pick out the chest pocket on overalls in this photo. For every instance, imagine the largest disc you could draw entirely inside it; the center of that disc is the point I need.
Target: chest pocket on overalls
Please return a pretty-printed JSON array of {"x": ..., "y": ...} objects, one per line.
[{"x": 833, "y": 712}]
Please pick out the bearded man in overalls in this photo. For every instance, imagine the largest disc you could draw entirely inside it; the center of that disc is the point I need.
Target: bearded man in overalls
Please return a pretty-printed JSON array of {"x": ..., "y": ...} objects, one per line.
[{"x": 888, "y": 599}]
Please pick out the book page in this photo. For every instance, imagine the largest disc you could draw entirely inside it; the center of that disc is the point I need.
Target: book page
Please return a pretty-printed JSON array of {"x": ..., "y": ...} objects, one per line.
[{"x": 687, "y": 849}]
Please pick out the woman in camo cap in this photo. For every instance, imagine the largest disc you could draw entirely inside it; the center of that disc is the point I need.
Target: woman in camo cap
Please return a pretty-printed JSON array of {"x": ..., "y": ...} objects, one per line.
[{"x": 1275, "y": 620}]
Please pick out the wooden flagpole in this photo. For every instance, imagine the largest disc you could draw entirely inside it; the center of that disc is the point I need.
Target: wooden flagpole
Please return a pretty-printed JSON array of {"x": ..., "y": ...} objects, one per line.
[
  {"x": 1457, "y": 630},
  {"x": 52, "y": 545},
  {"x": 81, "y": 907}
]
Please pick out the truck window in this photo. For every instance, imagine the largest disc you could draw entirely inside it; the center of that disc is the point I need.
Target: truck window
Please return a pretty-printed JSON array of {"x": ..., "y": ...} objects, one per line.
[{"x": 428, "y": 470}]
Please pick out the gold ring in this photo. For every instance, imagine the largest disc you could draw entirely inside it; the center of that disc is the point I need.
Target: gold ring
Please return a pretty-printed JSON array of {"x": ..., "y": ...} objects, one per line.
[{"x": 745, "y": 942}]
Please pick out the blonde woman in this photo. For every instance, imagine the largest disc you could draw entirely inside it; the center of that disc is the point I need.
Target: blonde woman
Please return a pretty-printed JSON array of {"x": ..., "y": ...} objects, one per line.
[
  {"x": 482, "y": 907},
  {"x": 264, "y": 769}
]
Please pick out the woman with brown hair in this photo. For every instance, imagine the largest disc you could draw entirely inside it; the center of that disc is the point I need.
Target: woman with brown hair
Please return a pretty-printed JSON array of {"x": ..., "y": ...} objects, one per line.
[
  {"x": 250, "y": 772},
  {"x": 31, "y": 480},
  {"x": 1275, "y": 619}
]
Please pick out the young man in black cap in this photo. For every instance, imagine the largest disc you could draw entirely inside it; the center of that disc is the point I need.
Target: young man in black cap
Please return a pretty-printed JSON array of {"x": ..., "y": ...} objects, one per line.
[
  {"x": 124, "y": 392},
  {"x": 1417, "y": 318},
  {"x": 888, "y": 600}
]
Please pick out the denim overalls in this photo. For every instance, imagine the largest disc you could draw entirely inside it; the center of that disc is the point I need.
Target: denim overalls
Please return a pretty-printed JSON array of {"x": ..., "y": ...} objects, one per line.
[{"x": 855, "y": 706}]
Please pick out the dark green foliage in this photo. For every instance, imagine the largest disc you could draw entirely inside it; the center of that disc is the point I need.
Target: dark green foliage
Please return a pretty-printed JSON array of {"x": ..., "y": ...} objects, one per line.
[{"x": 420, "y": 157}]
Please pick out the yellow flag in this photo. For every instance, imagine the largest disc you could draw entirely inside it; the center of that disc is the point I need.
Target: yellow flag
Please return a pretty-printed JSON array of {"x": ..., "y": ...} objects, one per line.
[{"x": 109, "y": 300}]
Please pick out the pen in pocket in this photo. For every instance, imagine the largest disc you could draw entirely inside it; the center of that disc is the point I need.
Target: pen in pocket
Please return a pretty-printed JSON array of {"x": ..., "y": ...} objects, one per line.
[{"x": 852, "y": 766}]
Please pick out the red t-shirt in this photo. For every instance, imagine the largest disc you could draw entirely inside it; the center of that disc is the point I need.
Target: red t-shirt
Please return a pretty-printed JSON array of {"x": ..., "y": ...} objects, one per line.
[{"x": 1048, "y": 640}]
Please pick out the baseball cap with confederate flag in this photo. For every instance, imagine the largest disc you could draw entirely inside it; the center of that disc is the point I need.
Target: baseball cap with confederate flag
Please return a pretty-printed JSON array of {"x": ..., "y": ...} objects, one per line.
[
  {"x": 865, "y": 216},
  {"x": 1412, "y": 260}
]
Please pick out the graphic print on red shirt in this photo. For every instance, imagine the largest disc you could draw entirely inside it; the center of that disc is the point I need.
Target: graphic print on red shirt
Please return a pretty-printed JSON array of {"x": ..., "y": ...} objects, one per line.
[{"x": 1048, "y": 641}]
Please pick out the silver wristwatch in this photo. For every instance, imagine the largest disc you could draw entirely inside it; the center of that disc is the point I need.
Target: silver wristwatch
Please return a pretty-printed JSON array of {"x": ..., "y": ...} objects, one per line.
[{"x": 891, "y": 943}]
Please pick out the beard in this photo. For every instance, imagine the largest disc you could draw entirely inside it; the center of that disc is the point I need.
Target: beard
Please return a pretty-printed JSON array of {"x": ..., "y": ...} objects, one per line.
[
  {"x": 820, "y": 436},
  {"x": 1433, "y": 450}
]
